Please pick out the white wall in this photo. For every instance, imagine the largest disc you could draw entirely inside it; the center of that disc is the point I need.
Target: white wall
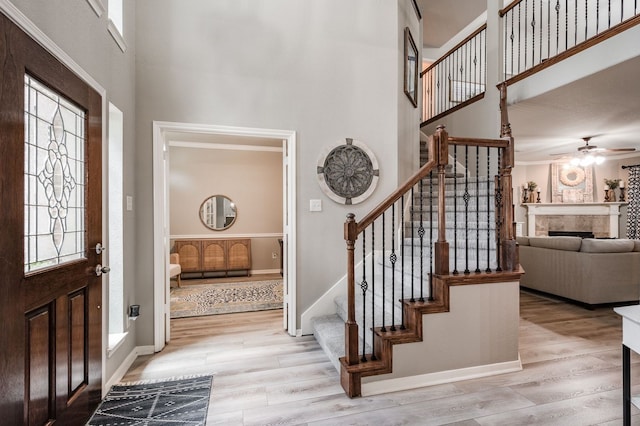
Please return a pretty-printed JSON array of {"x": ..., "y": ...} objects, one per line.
[
  {"x": 74, "y": 27},
  {"x": 324, "y": 68}
]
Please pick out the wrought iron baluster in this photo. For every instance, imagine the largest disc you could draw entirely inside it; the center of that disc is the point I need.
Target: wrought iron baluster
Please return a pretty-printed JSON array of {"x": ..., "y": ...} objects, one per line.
[
  {"x": 519, "y": 31},
  {"x": 512, "y": 38},
  {"x": 384, "y": 281},
  {"x": 526, "y": 10},
  {"x": 566, "y": 26},
  {"x": 575, "y": 13},
  {"x": 402, "y": 326},
  {"x": 477, "y": 210},
  {"x": 431, "y": 256},
  {"x": 541, "y": 30},
  {"x": 466, "y": 209},
  {"x": 413, "y": 236},
  {"x": 373, "y": 290},
  {"x": 533, "y": 33},
  {"x": 506, "y": 50},
  {"x": 392, "y": 258},
  {"x": 586, "y": 19},
  {"x": 498, "y": 202},
  {"x": 421, "y": 235},
  {"x": 549, "y": 30},
  {"x": 598, "y": 16},
  {"x": 488, "y": 210},
  {"x": 455, "y": 210},
  {"x": 364, "y": 286}
]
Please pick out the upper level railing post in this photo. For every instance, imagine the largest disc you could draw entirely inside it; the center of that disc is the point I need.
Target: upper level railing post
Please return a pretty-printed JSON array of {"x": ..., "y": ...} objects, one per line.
[
  {"x": 441, "y": 266},
  {"x": 351, "y": 327}
]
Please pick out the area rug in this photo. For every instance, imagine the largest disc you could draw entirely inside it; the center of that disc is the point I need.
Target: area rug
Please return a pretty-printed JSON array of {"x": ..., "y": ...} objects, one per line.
[
  {"x": 182, "y": 401},
  {"x": 225, "y": 298}
]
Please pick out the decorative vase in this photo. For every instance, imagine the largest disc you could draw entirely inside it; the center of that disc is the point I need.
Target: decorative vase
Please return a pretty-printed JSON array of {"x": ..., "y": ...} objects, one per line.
[{"x": 612, "y": 195}]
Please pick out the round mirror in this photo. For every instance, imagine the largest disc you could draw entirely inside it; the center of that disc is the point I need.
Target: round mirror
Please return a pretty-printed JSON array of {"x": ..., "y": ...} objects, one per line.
[{"x": 218, "y": 212}]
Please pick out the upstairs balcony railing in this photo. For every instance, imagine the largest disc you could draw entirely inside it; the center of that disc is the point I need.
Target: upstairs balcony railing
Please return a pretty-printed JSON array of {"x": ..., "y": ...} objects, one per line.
[
  {"x": 457, "y": 79},
  {"x": 539, "y": 33},
  {"x": 535, "y": 35}
]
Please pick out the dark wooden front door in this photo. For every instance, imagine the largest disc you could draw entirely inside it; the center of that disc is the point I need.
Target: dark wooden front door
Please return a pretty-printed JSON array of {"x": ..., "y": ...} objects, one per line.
[{"x": 50, "y": 223}]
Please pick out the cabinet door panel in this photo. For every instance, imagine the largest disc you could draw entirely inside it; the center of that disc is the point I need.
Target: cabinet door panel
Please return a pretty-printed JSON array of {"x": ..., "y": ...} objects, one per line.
[
  {"x": 189, "y": 252},
  {"x": 238, "y": 254},
  {"x": 213, "y": 255}
]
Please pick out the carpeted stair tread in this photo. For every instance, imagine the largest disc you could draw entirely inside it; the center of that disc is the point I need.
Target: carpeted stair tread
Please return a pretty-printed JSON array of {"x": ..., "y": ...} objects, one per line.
[{"x": 329, "y": 332}]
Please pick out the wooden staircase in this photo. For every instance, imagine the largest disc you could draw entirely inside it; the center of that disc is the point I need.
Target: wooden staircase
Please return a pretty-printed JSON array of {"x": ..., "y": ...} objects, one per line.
[{"x": 383, "y": 320}]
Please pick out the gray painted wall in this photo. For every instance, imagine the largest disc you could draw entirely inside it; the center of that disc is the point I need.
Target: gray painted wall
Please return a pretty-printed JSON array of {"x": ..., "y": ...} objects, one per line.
[{"x": 327, "y": 69}]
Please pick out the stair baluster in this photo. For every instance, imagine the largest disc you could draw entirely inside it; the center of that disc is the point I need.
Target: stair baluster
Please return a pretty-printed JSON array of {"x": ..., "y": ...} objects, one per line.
[{"x": 488, "y": 210}]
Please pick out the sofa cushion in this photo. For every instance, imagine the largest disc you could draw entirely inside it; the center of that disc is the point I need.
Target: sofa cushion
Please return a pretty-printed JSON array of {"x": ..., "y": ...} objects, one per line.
[
  {"x": 590, "y": 245},
  {"x": 523, "y": 241},
  {"x": 636, "y": 245},
  {"x": 556, "y": 243}
]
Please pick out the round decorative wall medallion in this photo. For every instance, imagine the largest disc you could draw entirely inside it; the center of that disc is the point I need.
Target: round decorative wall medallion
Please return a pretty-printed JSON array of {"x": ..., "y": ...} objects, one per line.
[
  {"x": 572, "y": 175},
  {"x": 348, "y": 173}
]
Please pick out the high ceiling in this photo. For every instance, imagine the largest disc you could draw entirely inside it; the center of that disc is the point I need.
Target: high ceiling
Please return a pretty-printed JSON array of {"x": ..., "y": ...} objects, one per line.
[
  {"x": 604, "y": 106},
  {"x": 442, "y": 19}
]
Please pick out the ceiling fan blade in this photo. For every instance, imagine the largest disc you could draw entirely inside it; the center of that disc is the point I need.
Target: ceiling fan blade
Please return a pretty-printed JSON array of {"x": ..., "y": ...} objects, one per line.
[{"x": 620, "y": 150}]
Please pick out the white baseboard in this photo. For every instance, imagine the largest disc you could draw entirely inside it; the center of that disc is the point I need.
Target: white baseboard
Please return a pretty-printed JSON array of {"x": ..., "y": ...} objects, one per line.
[
  {"x": 412, "y": 382},
  {"x": 264, "y": 271},
  {"x": 126, "y": 364}
]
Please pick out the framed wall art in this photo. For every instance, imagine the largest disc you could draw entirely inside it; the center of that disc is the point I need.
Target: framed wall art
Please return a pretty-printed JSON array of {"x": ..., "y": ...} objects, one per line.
[
  {"x": 410, "y": 68},
  {"x": 348, "y": 173},
  {"x": 571, "y": 184}
]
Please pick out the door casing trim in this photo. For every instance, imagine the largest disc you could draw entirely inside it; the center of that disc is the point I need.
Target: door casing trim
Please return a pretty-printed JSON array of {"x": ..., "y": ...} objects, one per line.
[{"x": 160, "y": 214}]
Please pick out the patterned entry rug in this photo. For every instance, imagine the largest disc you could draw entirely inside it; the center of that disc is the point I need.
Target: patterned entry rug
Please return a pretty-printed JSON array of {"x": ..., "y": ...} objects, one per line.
[
  {"x": 226, "y": 298},
  {"x": 182, "y": 401}
]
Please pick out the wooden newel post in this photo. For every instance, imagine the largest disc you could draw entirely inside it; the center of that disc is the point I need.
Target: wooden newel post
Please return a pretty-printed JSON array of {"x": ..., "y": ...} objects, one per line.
[
  {"x": 509, "y": 253},
  {"x": 441, "y": 266},
  {"x": 351, "y": 327}
]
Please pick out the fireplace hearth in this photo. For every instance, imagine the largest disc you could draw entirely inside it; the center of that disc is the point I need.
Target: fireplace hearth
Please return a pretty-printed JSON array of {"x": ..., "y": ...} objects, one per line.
[{"x": 581, "y": 234}]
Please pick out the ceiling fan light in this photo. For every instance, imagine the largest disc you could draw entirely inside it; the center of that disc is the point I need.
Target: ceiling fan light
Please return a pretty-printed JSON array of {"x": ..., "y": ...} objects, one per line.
[
  {"x": 599, "y": 159},
  {"x": 575, "y": 161},
  {"x": 587, "y": 160}
]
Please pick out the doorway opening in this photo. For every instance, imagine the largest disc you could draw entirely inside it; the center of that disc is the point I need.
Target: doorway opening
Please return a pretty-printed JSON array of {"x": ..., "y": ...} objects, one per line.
[{"x": 167, "y": 136}]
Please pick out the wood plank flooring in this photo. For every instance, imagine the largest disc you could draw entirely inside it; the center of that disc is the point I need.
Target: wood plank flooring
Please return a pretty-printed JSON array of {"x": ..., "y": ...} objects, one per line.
[{"x": 572, "y": 375}]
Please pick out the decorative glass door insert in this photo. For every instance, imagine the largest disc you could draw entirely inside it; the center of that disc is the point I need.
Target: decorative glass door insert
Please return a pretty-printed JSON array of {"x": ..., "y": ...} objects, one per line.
[{"x": 54, "y": 178}]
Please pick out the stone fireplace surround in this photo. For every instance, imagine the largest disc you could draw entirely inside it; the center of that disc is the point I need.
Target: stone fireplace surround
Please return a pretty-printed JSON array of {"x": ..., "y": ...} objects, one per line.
[{"x": 600, "y": 218}]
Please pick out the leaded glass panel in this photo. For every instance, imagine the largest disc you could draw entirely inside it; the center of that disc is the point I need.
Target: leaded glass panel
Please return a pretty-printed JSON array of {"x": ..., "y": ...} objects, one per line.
[{"x": 54, "y": 179}]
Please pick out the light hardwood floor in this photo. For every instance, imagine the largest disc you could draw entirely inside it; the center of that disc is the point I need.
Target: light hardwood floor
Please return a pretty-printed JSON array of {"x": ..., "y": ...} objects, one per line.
[{"x": 572, "y": 375}]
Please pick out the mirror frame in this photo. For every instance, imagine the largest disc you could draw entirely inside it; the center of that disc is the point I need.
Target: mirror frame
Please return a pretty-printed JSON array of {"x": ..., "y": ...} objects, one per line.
[{"x": 201, "y": 215}]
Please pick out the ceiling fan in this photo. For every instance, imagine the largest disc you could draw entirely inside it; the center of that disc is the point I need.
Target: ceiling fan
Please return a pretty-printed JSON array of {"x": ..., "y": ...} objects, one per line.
[{"x": 590, "y": 154}]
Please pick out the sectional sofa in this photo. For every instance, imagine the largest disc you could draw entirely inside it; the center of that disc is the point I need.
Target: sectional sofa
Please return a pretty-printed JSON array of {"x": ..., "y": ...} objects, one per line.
[{"x": 589, "y": 271}]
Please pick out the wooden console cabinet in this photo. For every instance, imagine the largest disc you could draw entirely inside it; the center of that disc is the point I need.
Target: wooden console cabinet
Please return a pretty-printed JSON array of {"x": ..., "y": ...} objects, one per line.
[{"x": 214, "y": 255}]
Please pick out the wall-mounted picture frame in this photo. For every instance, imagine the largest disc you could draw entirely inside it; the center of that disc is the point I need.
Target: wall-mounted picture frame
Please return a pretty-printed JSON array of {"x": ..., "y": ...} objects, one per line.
[
  {"x": 571, "y": 184},
  {"x": 410, "y": 68}
]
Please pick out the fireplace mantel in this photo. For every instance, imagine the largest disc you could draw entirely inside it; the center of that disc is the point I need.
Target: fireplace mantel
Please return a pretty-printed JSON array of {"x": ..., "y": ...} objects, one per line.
[{"x": 612, "y": 210}]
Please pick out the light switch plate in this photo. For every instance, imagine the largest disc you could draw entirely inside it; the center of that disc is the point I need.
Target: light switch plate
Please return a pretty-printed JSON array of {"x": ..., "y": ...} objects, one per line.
[
  {"x": 315, "y": 205},
  {"x": 129, "y": 203}
]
